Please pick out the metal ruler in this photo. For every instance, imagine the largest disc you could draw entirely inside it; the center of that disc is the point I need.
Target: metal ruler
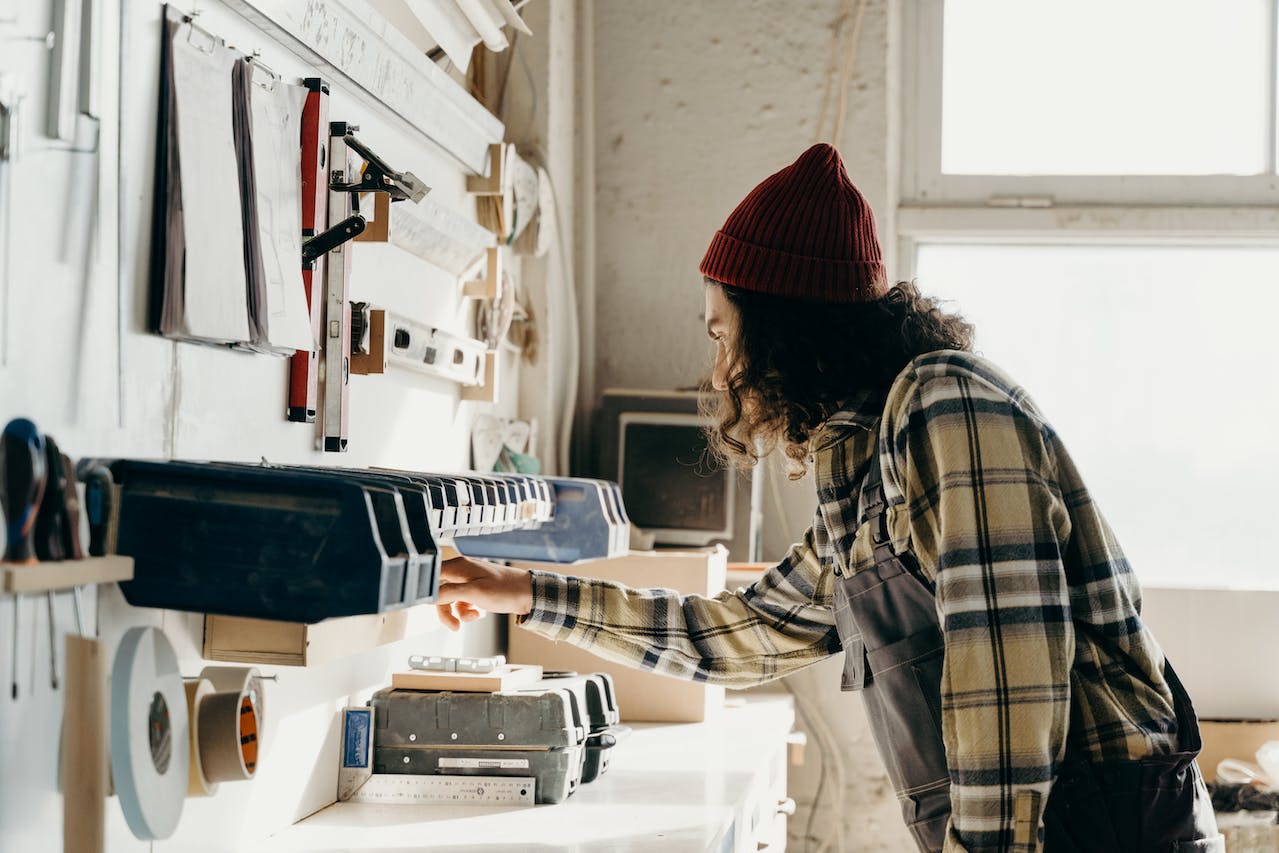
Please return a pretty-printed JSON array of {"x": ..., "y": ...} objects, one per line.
[
  {"x": 357, "y": 783},
  {"x": 453, "y": 790}
]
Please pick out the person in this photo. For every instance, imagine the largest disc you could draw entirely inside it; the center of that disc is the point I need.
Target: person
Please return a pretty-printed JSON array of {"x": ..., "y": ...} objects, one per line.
[{"x": 984, "y": 607}]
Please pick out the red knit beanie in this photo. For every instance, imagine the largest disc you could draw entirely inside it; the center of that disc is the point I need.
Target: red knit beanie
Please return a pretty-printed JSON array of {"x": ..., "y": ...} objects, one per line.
[{"x": 805, "y": 232}]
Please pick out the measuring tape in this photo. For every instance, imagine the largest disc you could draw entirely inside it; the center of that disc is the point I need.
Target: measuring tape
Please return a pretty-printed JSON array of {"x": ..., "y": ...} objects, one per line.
[
  {"x": 357, "y": 783},
  {"x": 454, "y": 790}
]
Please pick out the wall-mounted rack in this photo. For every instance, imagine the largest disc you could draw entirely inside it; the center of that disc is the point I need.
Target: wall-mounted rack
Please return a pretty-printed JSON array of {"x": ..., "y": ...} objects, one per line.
[
  {"x": 64, "y": 574},
  {"x": 494, "y": 179},
  {"x": 234, "y": 639},
  {"x": 368, "y": 339},
  {"x": 486, "y": 391},
  {"x": 489, "y": 285},
  {"x": 351, "y": 40}
]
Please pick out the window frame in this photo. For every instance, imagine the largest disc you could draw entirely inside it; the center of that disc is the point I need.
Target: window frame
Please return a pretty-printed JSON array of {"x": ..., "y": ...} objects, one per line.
[{"x": 924, "y": 184}]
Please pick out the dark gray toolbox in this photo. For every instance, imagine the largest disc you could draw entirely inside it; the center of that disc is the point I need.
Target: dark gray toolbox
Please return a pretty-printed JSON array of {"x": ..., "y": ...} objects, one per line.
[
  {"x": 594, "y": 694},
  {"x": 538, "y": 733}
]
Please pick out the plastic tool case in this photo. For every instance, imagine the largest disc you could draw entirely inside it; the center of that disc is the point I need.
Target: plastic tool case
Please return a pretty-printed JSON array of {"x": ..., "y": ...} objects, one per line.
[
  {"x": 538, "y": 733},
  {"x": 594, "y": 693}
]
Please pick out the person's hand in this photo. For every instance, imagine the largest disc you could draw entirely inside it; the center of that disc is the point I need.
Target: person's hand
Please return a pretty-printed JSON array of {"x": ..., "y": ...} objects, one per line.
[{"x": 470, "y": 588}]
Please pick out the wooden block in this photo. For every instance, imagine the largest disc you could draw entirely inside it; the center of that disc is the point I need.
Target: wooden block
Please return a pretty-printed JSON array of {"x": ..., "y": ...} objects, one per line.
[
  {"x": 236, "y": 639},
  {"x": 486, "y": 393},
  {"x": 493, "y": 182},
  {"x": 508, "y": 677},
  {"x": 84, "y": 748},
  {"x": 378, "y": 228},
  {"x": 65, "y": 574},
  {"x": 375, "y": 360},
  {"x": 490, "y": 285}
]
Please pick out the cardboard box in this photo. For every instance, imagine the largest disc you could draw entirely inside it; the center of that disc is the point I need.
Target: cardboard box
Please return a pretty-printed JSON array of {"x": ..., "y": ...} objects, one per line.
[
  {"x": 1221, "y": 642},
  {"x": 1238, "y": 739},
  {"x": 641, "y": 696}
]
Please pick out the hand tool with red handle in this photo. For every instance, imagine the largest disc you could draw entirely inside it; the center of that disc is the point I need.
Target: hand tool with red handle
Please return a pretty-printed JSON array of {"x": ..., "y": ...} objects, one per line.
[{"x": 304, "y": 366}]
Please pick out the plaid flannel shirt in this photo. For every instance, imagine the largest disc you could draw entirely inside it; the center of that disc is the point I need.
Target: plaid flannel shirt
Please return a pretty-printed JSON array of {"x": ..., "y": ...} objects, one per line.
[{"x": 1040, "y": 611}]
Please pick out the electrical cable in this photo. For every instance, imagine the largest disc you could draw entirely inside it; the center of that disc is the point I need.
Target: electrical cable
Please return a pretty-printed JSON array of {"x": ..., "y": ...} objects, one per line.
[
  {"x": 850, "y": 56},
  {"x": 844, "y": 70},
  {"x": 830, "y": 75},
  {"x": 566, "y": 290},
  {"x": 804, "y": 718}
]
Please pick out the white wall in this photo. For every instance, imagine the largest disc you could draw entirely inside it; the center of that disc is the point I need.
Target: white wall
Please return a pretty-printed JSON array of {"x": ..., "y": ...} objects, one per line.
[
  {"x": 187, "y": 401},
  {"x": 695, "y": 104}
]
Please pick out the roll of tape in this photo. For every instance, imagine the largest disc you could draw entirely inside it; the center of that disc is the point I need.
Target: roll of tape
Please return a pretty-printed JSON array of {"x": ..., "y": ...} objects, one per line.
[
  {"x": 149, "y": 733},
  {"x": 198, "y": 784},
  {"x": 229, "y": 737},
  {"x": 240, "y": 679}
]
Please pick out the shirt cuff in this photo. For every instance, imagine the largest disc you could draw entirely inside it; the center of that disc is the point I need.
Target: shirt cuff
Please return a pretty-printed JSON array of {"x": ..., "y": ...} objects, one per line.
[{"x": 555, "y": 602}]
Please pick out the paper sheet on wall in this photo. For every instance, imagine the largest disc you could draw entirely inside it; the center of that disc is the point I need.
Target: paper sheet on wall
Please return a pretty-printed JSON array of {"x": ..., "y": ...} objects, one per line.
[
  {"x": 213, "y": 279},
  {"x": 277, "y": 126}
]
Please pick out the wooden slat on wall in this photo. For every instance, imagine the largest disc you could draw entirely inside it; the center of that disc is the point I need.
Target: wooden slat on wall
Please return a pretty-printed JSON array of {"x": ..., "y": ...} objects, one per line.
[{"x": 349, "y": 39}]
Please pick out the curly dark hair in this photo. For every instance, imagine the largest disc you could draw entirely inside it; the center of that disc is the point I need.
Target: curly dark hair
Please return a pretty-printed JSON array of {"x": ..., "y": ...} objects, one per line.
[{"x": 797, "y": 362}]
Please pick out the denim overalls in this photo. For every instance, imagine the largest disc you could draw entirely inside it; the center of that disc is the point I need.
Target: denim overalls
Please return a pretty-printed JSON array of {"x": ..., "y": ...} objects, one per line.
[{"x": 886, "y": 616}]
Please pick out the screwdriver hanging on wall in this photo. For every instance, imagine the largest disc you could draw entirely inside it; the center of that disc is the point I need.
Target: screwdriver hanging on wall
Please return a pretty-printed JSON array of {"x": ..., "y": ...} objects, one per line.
[{"x": 22, "y": 454}]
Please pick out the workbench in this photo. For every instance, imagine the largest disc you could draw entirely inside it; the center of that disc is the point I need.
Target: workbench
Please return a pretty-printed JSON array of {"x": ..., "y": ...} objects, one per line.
[{"x": 714, "y": 786}]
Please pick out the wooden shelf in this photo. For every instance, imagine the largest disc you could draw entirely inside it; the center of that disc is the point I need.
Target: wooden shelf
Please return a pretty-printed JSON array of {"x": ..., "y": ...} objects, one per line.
[
  {"x": 43, "y": 577},
  {"x": 235, "y": 639}
]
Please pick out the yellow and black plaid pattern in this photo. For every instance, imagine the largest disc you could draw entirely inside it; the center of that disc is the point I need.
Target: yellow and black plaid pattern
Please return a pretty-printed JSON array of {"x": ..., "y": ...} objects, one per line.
[{"x": 1039, "y": 608}]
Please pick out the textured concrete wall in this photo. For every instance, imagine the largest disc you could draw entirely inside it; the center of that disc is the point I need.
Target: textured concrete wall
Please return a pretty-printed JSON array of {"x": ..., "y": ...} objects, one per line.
[{"x": 695, "y": 103}]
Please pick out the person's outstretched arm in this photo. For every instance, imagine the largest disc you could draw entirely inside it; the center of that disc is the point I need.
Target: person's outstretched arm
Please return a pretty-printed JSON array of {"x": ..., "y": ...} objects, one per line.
[{"x": 781, "y": 623}]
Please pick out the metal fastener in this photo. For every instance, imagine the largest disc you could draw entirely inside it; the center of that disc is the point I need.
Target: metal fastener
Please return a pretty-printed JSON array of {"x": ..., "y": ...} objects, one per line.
[{"x": 412, "y": 737}]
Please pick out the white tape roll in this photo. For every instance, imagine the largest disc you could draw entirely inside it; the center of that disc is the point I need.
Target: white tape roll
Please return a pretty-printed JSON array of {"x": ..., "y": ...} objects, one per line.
[
  {"x": 149, "y": 733},
  {"x": 198, "y": 784}
]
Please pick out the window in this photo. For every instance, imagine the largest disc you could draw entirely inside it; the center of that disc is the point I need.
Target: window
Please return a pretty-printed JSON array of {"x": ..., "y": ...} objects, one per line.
[
  {"x": 1092, "y": 101},
  {"x": 1157, "y": 366},
  {"x": 1094, "y": 185}
]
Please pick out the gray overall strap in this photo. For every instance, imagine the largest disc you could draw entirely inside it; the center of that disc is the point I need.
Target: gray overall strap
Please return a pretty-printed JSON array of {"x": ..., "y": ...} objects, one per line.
[{"x": 886, "y": 615}]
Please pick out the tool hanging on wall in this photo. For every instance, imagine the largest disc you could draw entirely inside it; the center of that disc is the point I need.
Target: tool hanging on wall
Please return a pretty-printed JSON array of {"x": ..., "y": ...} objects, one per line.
[
  {"x": 99, "y": 503},
  {"x": 53, "y": 535},
  {"x": 23, "y": 455},
  {"x": 346, "y": 181},
  {"x": 304, "y": 367},
  {"x": 10, "y": 102}
]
